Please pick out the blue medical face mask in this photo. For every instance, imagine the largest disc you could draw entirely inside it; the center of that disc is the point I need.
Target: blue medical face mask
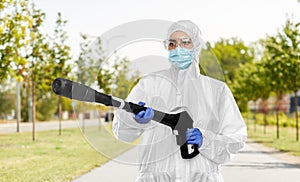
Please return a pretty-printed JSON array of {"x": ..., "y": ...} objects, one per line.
[{"x": 181, "y": 58}]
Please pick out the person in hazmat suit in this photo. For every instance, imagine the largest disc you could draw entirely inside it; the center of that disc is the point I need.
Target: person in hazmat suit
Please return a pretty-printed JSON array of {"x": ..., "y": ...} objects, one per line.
[{"x": 219, "y": 130}]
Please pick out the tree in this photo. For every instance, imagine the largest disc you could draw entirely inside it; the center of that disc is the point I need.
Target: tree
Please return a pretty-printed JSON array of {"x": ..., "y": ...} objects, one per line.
[
  {"x": 276, "y": 71},
  {"x": 90, "y": 60},
  {"x": 232, "y": 54},
  {"x": 15, "y": 23},
  {"x": 37, "y": 59},
  {"x": 291, "y": 35},
  {"x": 18, "y": 19},
  {"x": 25, "y": 53},
  {"x": 58, "y": 63},
  {"x": 47, "y": 59},
  {"x": 92, "y": 70},
  {"x": 250, "y": 85},
  {"x": 244, "y": 86},
  {"x": 124, "y": 80},
  {"x": 14, "y": 37},
  {"x": 284, "y": 49},
  {"x": 93, "y": 66}
]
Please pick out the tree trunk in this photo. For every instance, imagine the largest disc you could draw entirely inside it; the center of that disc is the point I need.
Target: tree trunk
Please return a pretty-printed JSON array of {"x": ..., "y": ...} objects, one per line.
[
  {"x": 18, "y": 104},
  {"x": 265, "y": 122},
  {"x": 265, "y": 111},
  {"x": 296, "y": 115},
  {"x": 277, "y": 122},
  {"x": 33, "y": 110},
  {"x": 254, "y": 117},
  {"x": 59, "y": 114}
]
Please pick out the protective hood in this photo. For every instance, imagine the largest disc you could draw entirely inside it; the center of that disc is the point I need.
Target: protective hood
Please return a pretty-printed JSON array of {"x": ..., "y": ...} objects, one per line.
[
  {"x": 193, "y": 71},
  {"x": 193, "y": 32}
]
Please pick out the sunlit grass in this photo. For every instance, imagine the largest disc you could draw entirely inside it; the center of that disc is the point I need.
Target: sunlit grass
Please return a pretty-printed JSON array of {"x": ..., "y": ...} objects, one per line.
[
  {"x": 51, "y": 157},
  {"x": 286, "y": 142}
]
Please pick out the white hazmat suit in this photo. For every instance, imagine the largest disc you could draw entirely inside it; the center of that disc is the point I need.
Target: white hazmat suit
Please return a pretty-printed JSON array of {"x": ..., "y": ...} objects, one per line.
[{"x": 210, "y": 104}]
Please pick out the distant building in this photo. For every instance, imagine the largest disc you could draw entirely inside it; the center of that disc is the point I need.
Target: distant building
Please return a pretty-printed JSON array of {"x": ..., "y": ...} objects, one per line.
[
  {"x": 270, "y": 105},
  {"x": 292, "y": 102}
]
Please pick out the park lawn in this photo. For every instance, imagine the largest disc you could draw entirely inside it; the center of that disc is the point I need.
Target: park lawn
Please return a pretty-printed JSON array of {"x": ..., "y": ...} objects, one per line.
[
  {"x": 51, "y": 157},
  {"x": 286, "y": 142}
]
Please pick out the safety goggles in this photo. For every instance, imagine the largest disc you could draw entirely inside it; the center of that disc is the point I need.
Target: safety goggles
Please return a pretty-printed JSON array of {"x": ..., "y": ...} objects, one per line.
[{"x": 171, "y": 44}]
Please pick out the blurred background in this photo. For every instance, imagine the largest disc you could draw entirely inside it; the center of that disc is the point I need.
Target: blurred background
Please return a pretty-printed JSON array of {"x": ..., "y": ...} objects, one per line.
[{"x": 257, "y": 44}]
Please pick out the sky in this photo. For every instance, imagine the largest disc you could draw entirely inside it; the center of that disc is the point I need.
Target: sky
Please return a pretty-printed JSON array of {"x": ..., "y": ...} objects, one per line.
[{"x": 248, "y": 20}]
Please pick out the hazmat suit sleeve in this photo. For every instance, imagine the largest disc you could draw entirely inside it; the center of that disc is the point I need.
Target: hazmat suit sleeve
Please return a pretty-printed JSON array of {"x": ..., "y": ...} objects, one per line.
[
  {"x": 227, "y": 136},
  {"x": 124, "y": 126}
]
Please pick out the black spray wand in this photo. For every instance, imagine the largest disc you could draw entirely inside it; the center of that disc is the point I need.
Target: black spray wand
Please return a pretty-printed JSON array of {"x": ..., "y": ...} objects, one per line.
[{"x": 179, "y": 122}]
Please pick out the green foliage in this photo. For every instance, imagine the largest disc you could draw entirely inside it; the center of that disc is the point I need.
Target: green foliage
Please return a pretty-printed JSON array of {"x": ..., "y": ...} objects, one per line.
[
  {"x": 123, "y": 80},
  {"x": 92, "y": 65},
  {"x": 282, "y": 59},
  {"x": 232, "y": 54},
  {"x": 7, "y": 103},
  {"x": 16, "y": 23},
  {"x": 90, "y": 62},
  {"x": 236, "y": 59},
  {"x": 29, "y": 55},
  {"x": 290, "y": 52},
  {"x": 111, "y": 76},
  {"x": 250, "y": 84},
  {"x": 275, "y": 69},
  {"x": 105, "y": 79},
  {"x": 58, "y": 55},
  {"x": 46, "y": 107},
  {"x": 57, "y": 65}
]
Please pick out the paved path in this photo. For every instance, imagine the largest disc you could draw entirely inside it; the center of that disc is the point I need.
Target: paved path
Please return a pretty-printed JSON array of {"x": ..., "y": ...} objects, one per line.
[
  {"x": 113, "y": 171},
  {"x": 254, "y": 163}
]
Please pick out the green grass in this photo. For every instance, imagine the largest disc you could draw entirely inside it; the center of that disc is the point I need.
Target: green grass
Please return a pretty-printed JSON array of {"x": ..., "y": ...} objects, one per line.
[
  {"x": 286, "y": 142},
  {"x": 52, "y": 157}
]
